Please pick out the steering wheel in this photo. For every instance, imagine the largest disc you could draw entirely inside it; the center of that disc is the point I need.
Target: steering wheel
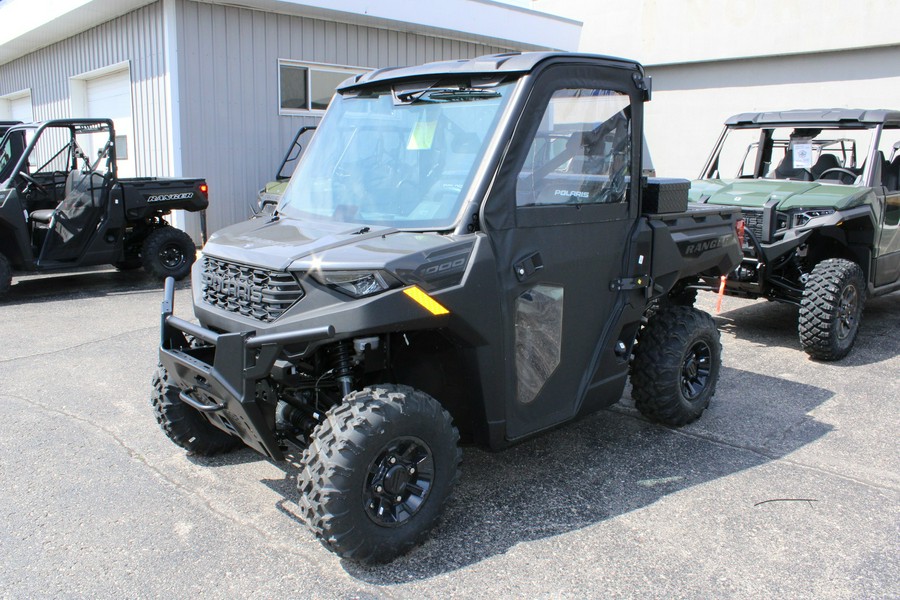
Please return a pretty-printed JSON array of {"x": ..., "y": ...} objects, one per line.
[
  {"x": 31, "y": 182},
  {"x": 844, "y": 174}
]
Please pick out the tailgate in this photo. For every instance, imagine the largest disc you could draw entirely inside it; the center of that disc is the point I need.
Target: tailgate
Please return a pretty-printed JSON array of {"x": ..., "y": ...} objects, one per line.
[{"x": 165, "y": 194}]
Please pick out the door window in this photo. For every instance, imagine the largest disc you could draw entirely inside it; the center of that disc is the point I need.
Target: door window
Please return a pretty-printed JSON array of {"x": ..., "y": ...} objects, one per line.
[
  {"x": 539, "y": 318},
  {"x": 581, "y": 153}
]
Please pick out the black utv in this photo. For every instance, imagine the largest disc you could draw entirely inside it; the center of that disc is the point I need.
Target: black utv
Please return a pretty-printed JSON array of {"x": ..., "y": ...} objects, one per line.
[
  {"x": 63, "y": 205},
  {"x": 465, "y": 249}
]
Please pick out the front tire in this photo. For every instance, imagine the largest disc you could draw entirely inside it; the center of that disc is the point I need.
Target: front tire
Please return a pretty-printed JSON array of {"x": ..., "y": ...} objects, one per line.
[
  {"x": 377, "y": 472},
  {"x": 168, "y": 252},
  {"x": 676, "y": 365},
  {"x": 184, "y": 425},
  {"x": 831, "y": 309}
]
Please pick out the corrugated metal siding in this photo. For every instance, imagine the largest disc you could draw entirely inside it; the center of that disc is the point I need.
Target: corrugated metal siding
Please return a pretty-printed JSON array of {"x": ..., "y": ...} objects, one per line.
[
  {"x": 231, "y": 131},
  {"x": 137, "y": 38}
]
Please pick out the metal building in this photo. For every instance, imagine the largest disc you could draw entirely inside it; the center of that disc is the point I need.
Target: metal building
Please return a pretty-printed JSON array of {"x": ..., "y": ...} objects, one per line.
[
  {"x": 217, "y": 89},
  {"x": 711, "y": 59}
]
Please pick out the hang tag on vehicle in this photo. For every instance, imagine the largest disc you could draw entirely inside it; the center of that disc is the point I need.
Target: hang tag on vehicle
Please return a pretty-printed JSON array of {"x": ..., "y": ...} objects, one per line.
[{"x": 802, "y": 155}]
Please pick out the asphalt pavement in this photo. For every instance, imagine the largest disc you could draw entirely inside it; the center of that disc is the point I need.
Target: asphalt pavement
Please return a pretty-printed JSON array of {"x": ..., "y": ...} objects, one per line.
[{"x": 788, "y": 486}]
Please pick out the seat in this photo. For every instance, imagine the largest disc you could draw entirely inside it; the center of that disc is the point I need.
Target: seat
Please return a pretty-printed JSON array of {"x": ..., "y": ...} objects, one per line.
[
  {"x": 74, "y": 180},
  {"x": 42, "y": 216},
  {"x": 74, "y": 221},
  {"x": 786, "y": 170},
  {"x": 825, "y": 162}
]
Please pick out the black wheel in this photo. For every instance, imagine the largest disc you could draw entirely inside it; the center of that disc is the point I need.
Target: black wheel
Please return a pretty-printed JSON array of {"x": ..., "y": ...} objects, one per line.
[
  {"x": 676, "y": 365},
  {"x": 377, "y": 472},
  {"x": 168, "y": 252},
  {"x": 5, "y": 275},
  {"x": 184, "y": 425},
  {"x": 831, "y": 309}
]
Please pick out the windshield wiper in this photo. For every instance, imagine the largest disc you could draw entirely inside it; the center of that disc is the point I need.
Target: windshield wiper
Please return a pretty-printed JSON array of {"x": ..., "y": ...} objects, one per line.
[{"x": 446, "y": 94}]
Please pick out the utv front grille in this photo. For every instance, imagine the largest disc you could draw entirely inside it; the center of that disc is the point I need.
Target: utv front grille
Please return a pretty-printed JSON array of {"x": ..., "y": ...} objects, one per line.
[
  {"x": 257, "y": 293},
  {"x": 753, "y": 222}
]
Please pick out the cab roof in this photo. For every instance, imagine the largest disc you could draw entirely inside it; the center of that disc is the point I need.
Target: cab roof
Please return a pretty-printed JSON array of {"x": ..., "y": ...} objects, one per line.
[
  {"x": 484, "y": 66},
  {"x": 840, "y": 117}
]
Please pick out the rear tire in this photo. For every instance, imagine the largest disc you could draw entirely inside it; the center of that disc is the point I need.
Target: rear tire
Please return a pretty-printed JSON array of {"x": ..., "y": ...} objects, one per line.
[
  {"x": 377, "y": 472},
  {"x": 831, "y": 309},
  {"x": 676, "y": 365},
  {"x": 5, "y": 275},
  {"x": 168, "y": 252},
  {"x": 184, "y": 425}
]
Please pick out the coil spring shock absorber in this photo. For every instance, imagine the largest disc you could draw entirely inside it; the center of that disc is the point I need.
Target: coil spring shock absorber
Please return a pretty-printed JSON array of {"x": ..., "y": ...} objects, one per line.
[{"x": 339, "y": 357}]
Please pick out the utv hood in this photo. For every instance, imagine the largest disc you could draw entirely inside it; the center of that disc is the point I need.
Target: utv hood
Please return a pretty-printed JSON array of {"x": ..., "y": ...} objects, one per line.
[
  {"x": 276, "y": 244},
  {"x": 755, "y": 193}
]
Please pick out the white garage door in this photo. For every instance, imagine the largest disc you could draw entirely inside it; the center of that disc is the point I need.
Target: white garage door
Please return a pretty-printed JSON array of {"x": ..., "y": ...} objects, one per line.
[
  {"x": 20, "y": 109},
  {"x": 109, "y": 96}
]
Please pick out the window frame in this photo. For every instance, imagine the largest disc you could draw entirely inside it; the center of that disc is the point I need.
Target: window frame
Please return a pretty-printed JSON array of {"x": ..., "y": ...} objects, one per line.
[
  {"x": 310, "y": 67},
  {"x": 557, "y": 104}
]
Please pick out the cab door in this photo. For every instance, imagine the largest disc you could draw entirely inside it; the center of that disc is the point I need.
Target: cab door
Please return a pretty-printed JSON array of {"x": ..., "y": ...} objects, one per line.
[
  {"x": 887, "y": 264},
  {"x": 560, "y": 219}
]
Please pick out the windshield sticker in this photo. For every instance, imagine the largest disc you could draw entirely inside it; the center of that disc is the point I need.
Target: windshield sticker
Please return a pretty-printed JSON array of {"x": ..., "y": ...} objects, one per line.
[
  {"x": 422, "y": 135},
  {"x": 802, "y": 154}
]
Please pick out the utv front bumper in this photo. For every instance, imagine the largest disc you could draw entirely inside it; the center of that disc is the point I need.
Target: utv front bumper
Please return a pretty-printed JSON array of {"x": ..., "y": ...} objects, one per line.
[
  {"x": 217, "y": 373},
  {"x": 764, "y": 254}
]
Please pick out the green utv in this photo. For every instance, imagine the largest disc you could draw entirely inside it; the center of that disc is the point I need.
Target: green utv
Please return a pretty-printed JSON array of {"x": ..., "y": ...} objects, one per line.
[
  {"x": 465, "y": 249},
  {"x": 270, "y": 195},
  {"x": 819, "y": 192}
]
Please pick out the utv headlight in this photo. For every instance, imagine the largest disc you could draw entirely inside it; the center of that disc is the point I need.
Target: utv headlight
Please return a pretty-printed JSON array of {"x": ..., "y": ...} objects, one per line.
[
  {"x": 358, "y": 284},
  {"x": 804, "y": 217}
]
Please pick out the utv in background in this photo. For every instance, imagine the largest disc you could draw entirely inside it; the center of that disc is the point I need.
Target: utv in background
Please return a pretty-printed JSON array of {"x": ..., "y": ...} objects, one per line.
[
  {"x": 271, "y": 193},
  {"x": 467, "y": 248},
  {"x": 819, "y": 191},
  {"x": 62, "y": 204}
]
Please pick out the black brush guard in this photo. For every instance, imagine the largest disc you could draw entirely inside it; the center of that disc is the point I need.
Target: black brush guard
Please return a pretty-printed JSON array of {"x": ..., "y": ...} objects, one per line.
[{"x": 219, "y": 377}]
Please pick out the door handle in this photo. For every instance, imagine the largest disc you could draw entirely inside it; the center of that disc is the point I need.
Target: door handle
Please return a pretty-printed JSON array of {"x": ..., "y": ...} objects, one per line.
[{"x": 528, "y": 266}]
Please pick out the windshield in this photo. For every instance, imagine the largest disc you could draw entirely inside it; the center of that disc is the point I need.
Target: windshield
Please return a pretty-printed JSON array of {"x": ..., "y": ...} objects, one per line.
[
  {"x": 798, "y": 153},
  {"x": 402, "y": 159}
]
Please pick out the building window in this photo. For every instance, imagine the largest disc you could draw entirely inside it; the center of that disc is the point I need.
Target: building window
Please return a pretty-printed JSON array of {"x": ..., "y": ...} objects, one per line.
[{"x": 305, "y": 87}]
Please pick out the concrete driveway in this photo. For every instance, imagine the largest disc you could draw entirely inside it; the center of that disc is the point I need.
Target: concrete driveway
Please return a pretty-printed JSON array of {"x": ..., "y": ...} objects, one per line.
[{"x": 789, "y": 486}]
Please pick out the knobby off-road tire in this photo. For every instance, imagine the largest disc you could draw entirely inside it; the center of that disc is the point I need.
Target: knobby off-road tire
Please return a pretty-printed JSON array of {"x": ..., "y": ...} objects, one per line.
[
  {"x": 168, "y": 252},
  {"x": 184, "y": 425},
  {"x": 676, "y": 365},
  {"x": 831, "y": 309},
  {"x": 377, "y": 472},
  {"x": 5, "y": 275}
]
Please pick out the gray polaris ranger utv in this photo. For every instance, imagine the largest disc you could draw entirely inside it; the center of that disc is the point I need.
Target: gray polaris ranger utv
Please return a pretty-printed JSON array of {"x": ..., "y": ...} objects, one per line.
[
  {"x": 465, "y": 249},
  {"x": 819, "y": 191}
]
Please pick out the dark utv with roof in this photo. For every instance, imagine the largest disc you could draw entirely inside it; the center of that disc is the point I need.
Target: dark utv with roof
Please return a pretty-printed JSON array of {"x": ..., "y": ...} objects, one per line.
[
  {"x": 464, "y": 248},
  {"x": 819, "y": 191},
  {"x": 63, "y": 205}
]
